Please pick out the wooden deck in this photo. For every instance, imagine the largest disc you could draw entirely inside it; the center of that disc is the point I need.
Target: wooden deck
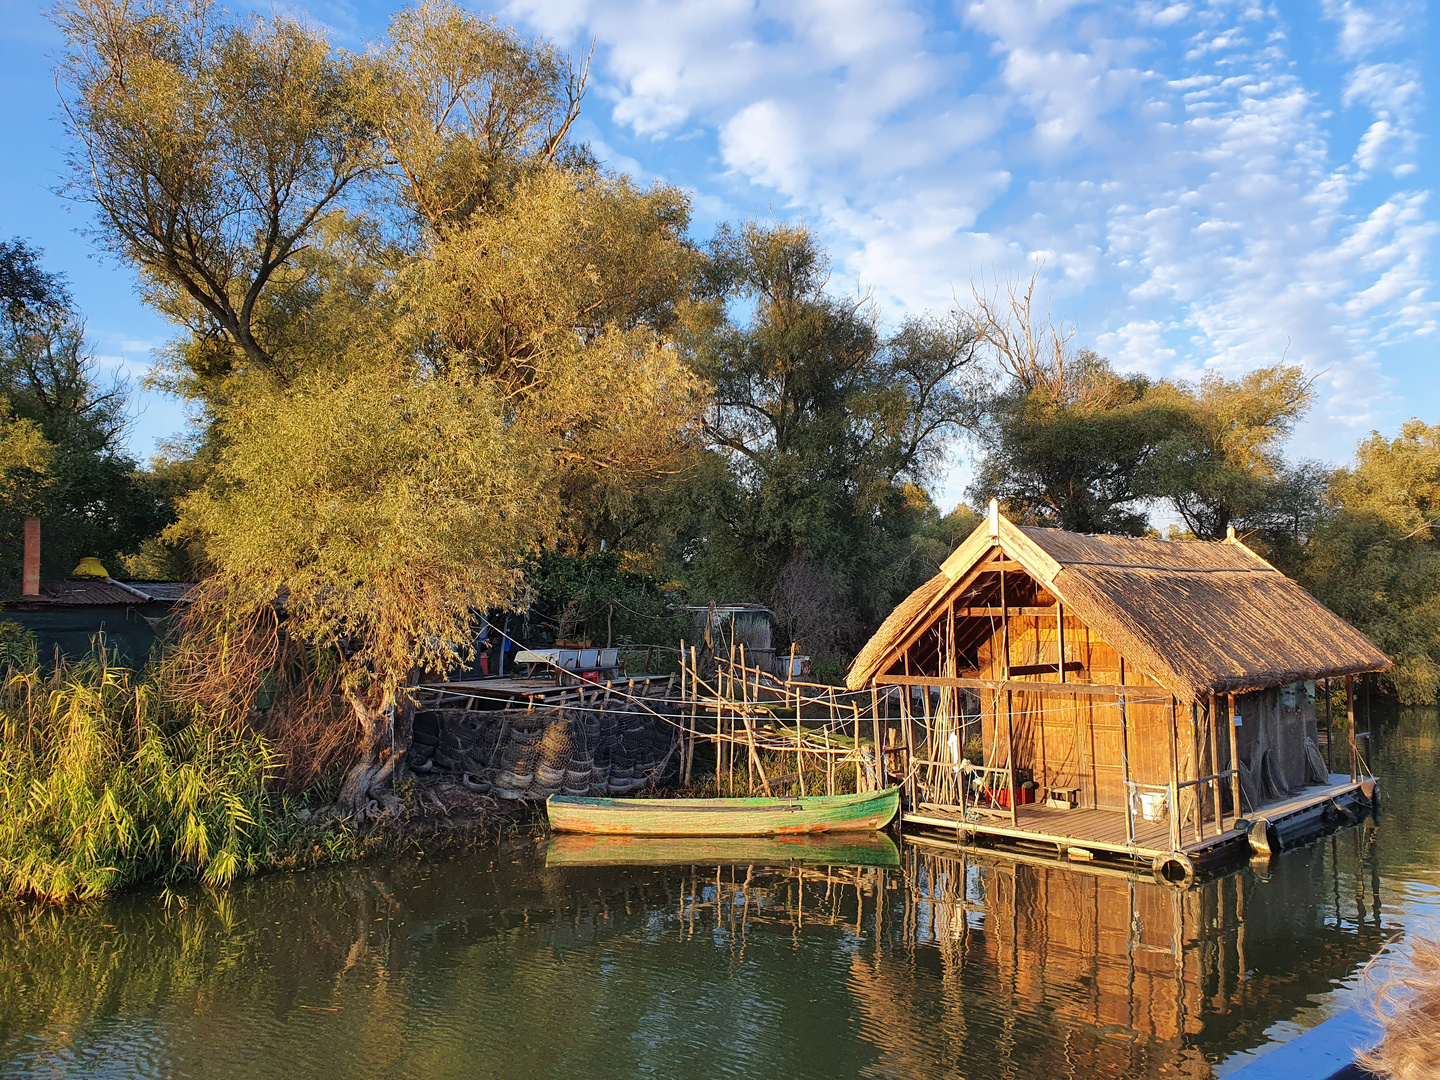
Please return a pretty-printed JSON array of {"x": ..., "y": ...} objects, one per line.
[{"x": 1103, "y": 831}]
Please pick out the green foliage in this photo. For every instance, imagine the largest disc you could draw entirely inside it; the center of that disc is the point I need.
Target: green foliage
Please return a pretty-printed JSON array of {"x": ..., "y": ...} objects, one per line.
[
  {"x": 1071, "y": 453},
  {"x": 822, "y": 427},
  {"x": 102, "y": 787},
  {"x": 1221, "y": 464},
  {"x": 600, "y": 597},
  {"x": 19, "y": 650},
  {"x": 384, "y": 510},
  {"x": 211, "y": 147},
  {"x": 62, "y": 457},
  {"x": 1375, "y": 558}
]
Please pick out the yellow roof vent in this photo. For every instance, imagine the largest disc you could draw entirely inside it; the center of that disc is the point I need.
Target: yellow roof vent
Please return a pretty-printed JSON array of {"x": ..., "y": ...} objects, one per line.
[{"x": 90, "y": 567}]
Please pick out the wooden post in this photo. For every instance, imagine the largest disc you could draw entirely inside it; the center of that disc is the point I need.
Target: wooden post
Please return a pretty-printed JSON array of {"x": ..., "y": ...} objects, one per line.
[
  {"x": 724, "y": 683},
  {"x": 1010, "y": 754},
  {"x": 684, "y": 722},
  {"x": 1174, "y": 777},
  {"x": 1196, "y": 757},
  {"x": 906, "y": 727},
  {"x": 830, "y": 745},
  {"x": 694, "y": 717},
  {"x": 1060, "y": 637},
  {"x": 1350, "y": 717},
  {"x": 929, "y": 737},
  {"x": 1235, "y": 810},
  {"x": 1009, "y": 704},
  {"x": 880, "y": 778},
  {"x": 859, "y": 761},
  {"x": 1125, "y": 761},
  {"x": 1329, "y": 733},
  {"x": 1369, "y": 681},
  {"x": 745, "y": 719},
  {"x": 1214, "y": 716}
]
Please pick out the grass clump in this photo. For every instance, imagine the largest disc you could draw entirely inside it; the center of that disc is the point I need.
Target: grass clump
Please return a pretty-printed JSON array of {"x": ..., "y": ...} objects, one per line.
[{"x": 102, "y": 785}]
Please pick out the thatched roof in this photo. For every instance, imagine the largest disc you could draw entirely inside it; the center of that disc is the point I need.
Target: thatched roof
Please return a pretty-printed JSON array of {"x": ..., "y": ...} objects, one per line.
[{"x": 1199, "y": 618}]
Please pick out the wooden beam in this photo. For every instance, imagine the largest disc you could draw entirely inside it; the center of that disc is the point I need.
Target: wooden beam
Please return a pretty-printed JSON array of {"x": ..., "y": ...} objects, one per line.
[
  {"x": 1174, "y": 776},
  {"x": 992, "y": 612},
  {"x": 1046, "y": 669},
  {"x": 923, "y": 621},
  {"x": 1002, "y": 565},
  {"x": 1084, "y": 689},
  {"x": 1125, "y": 761},
  {"x": 1010, "y": 756},
  {"x": 1215, "y": 763},
  {"x": 1060, "y": 644}
]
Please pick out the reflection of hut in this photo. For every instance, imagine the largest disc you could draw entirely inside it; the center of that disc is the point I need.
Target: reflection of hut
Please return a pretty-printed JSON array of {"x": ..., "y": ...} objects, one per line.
[
  {"x": 1078, "y": 690},
  {"x": 1019, "y": 966}
]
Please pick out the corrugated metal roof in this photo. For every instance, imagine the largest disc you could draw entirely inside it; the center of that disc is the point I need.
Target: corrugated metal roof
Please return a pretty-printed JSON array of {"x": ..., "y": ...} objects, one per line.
[{"x": 93, "y": 592}]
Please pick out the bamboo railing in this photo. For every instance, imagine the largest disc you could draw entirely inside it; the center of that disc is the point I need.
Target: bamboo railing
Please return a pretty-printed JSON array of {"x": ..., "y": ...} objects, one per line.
[{"x": 741, "y": 707}]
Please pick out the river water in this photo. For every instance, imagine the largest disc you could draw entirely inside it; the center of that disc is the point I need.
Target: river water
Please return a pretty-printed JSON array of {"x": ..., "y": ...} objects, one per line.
[{"x": 524, "y": 961}]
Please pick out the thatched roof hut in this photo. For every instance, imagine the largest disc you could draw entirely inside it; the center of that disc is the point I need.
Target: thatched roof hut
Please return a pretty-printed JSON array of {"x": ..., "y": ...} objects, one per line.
[
  {"x": 1198, "y": 618},
  {"x": 1113, "y": 676}
]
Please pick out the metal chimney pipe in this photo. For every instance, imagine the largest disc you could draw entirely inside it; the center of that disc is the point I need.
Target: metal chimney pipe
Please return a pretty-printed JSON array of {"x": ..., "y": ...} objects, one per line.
[{"x": 32, "y": 557}]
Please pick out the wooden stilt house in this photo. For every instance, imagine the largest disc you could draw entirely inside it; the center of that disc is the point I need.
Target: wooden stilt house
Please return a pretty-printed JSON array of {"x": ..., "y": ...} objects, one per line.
[{"x": 1113, "y": 696}]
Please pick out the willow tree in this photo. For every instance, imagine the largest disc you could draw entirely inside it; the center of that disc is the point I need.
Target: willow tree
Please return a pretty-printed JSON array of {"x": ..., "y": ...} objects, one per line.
[
  {"x": 380, "y": 510},
  {"x": 1222, "y": 464},
  {"x": 1375, "y": 557},
  {"x": 826, "y": 428},
  {"x": 428, "y": 331},
  {"x": 211, "y": 150},
  {"x": 565, "y": 298}
]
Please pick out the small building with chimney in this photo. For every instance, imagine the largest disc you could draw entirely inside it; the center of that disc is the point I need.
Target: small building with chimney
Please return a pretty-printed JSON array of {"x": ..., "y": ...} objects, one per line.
[{"x": 69, "y": 617}]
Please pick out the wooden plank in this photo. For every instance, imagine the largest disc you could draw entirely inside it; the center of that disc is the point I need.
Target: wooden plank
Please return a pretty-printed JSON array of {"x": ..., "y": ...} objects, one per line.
[
  {"x": 1045, "y": 669},
  {"x": 1085, "y": 689},
  {"x": 1235, "y": 812}
]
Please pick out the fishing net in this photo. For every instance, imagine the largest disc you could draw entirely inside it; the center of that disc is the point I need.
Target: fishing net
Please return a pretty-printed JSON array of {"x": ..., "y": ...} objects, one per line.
[{"x": 533, "y": 754}]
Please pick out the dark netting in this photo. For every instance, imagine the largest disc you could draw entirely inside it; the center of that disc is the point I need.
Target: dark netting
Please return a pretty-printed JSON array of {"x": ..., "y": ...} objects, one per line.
[{"x": 513, "y": 754}]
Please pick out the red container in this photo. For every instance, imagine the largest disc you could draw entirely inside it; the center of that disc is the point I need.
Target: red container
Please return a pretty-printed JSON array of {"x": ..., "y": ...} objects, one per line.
[{"x": 1001, "y": 797}]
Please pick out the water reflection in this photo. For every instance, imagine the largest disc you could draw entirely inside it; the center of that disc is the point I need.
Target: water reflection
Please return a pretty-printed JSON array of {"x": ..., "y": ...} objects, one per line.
[
  {"x": 1098, "y": 972},
  {"x": 529, "y": 963}
]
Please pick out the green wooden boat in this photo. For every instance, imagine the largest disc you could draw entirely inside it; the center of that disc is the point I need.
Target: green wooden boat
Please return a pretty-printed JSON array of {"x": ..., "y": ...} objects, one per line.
[
  {"x": 865, "y": 812},
  {"x": 824, "y": 849}
]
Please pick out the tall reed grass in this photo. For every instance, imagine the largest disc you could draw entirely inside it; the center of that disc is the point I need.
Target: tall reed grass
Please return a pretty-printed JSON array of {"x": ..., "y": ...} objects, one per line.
[{"x": 103, "y": 784}]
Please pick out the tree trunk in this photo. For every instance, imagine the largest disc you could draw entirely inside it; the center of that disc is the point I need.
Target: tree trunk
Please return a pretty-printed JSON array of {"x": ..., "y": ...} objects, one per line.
[
  {"x": 369, "y": 789},
  {"x": 365, "y": 789}
]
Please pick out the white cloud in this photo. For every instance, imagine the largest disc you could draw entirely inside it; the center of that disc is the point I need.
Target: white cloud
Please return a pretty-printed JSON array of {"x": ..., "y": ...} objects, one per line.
[
  {"x": 1179, "y": 172},
  {"x": 1365, "y": 28},
  {"x": 765, "y": 142},
  {"x": 1393, "y": 94}
]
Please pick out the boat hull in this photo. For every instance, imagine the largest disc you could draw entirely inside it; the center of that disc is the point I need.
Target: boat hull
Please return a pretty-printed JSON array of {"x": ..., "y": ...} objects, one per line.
[
  {"x": 865, "y": 812},
  {"x": 820, "y": 849}
]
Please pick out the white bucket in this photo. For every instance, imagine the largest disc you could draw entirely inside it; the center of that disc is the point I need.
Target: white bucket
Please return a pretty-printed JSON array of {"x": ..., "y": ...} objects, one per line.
[{"x": 1152, "y": 805}]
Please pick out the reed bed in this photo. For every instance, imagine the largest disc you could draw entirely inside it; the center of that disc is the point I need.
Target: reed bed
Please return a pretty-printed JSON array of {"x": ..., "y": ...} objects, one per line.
[{"x": 103, "y": 784}]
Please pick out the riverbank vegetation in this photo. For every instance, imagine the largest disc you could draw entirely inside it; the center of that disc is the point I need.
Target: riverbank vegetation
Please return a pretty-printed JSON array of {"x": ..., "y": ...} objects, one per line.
[{"x": 444, "y": 362}]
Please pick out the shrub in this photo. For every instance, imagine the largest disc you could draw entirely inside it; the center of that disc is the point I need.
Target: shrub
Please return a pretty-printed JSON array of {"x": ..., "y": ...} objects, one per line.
[{"x": 102, "y": 785}]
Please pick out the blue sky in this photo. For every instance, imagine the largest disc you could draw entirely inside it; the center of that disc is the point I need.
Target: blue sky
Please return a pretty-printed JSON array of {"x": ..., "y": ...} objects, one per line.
[{"x": 1210, "y": 185}]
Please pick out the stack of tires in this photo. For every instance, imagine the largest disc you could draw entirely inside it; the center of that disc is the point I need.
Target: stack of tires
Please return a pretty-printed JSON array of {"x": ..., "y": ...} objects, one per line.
[{"x": 518, "y": 755}]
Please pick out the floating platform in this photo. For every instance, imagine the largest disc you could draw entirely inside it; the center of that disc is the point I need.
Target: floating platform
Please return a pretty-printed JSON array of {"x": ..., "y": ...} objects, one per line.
[{"x": 1087, "y": 834}]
